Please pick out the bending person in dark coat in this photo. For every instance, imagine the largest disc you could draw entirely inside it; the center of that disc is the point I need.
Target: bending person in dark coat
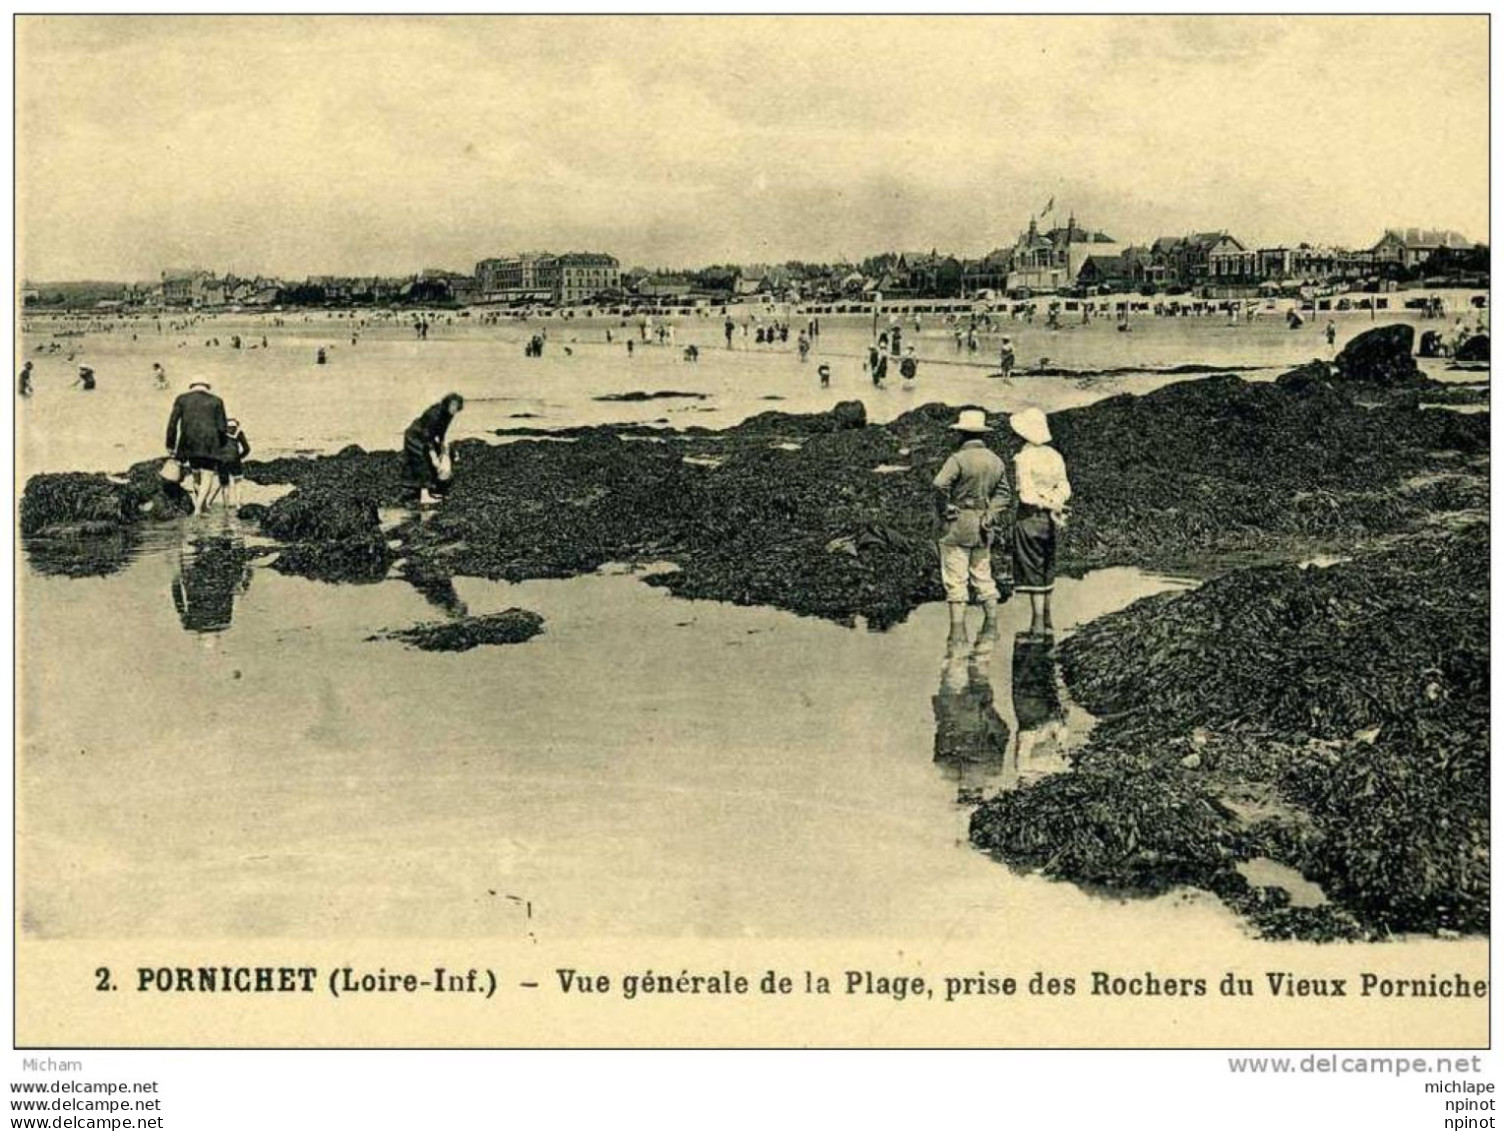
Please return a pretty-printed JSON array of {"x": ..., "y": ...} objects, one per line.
[
  {"x": 195, "y": 434},
  {"x": 423, "y": 446}
]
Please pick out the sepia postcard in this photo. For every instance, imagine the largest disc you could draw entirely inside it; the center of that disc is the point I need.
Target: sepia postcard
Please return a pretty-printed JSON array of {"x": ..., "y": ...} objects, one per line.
[{"x": 752, "y": 531}]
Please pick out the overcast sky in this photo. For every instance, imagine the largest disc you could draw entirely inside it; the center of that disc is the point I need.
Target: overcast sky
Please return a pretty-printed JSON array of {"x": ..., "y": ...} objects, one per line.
[{"x": 384, "y": 145}]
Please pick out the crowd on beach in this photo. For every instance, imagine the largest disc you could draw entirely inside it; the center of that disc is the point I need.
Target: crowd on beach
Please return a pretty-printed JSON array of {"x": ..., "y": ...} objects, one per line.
[{"x": 206, "y": 447}]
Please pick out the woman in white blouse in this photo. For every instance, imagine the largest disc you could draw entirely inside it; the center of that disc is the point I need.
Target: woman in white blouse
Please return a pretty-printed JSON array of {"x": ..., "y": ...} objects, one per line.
[{"x": 1043, "y": 492}]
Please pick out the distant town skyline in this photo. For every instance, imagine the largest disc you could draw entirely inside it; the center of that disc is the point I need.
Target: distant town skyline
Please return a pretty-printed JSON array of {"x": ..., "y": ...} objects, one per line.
[{"x": 364, "y": 146}]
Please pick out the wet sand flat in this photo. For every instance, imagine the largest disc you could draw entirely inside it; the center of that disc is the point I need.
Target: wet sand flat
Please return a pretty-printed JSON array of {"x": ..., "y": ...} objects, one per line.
[{"x": 647, "y": 766}]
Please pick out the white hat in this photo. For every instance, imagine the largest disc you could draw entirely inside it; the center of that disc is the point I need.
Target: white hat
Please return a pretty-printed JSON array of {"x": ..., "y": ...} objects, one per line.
[
  {"x": 971, "y": 420},
  {"x": 198, "y": 383},
  {"x": 1031, "y": 425}
]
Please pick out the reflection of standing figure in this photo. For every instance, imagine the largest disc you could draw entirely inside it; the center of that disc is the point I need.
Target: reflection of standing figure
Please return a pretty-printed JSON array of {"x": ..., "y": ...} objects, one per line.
[
  {"x": 211, "y": 573},
  {"x": 971, "y": 738},
  {"x": 1042, "y": 732},
  {"x": 437, "y": 589}
]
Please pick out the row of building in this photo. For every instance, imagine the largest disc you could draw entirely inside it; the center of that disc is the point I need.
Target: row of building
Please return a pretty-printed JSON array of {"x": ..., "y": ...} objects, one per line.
[
  {"x": 1065, "y": 258},
  {"x": 1073, "y": 257}
]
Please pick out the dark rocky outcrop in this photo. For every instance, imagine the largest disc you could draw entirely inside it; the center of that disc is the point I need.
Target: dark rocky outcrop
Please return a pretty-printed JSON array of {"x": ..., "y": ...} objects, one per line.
[
  {"x": 322, "y": 516},
  {"x": 660, "y": 395},
  {"x": 1351, "y": 701},
  {"x": 1474, "y": 349},
  {"x": 1383, "y": 356},
  {"x": 71, "y": 498},
  {"x": 1314, "y": 376},
  {"x": 1175, "y": 479},
  {"x": 512, "y": 626},
  {"x": 330, "y": 536}
]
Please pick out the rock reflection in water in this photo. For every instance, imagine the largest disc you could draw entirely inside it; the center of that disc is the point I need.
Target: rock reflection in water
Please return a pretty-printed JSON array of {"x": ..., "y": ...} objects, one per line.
[
  {"x": 1043, "y": 736},
  {"x": 212, "y": 571},
  {"x": 971, "y": 738},
  {"x": 437, "y": 589},
  {"x": 82, "y": 552}
]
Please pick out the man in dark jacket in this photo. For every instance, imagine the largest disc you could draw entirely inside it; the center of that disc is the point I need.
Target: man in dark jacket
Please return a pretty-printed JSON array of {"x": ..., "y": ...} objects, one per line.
[{"x": 195, "y": 434}]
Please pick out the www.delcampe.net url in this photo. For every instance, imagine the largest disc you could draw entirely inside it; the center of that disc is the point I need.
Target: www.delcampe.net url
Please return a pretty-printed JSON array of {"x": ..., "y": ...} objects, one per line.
[{"x": 1468, "y": 1104}]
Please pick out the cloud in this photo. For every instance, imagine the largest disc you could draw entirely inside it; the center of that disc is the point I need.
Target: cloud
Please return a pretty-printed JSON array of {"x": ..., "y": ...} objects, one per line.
[{"x": 310, "y": 144}]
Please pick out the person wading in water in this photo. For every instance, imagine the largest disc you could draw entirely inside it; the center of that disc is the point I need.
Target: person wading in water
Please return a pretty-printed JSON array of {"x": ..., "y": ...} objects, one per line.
[
  {"x": 1043, "y": 492},
  {"x": 971, "y": 489},
  {"x": 196, "y": 432}
]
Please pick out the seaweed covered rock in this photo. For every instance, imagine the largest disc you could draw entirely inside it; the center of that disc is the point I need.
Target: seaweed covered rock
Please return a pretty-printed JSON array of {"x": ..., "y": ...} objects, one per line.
[
  {"x": 637, "y": 395},
  {"x": 1404, "y": 827},
  {"x": 354, "y": 561},
  {"x": 849, "y": 414},
  {"x": 511, "y": 626},
  {"x": 1200, "y": 469},
  {"x": 844, "y": 416},
  {"x": 1141, "y": 831},
  {"x": 1313, "y": 377},
  {"x": 331, "y": 536},
  {"x": 1474, "y": 349},
  {"x": 320, "y": 515},
  {"x": 1303, "y": 652},
  {"x": 1447, "y": 394},
  {"x": 352, "y": 471},
  {"x": 1381, "y": 356},
  {"x": 1171, "y": 479},
  {"x": 71, "y": 498},
  {"x": 1354, "y": 696},
  {"x": 78, "y": 525},
  {"x": 147, "y": 496}
]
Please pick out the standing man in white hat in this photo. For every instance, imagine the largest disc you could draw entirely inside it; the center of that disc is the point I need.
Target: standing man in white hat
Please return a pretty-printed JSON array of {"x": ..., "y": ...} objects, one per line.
[{"x": 971, "y": 489}]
